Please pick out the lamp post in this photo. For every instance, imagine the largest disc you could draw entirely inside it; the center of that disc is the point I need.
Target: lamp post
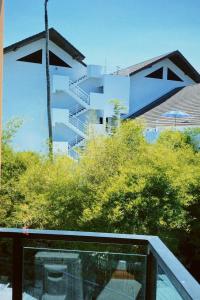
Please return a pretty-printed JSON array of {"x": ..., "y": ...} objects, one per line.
[{"x": 50, "y": 146}]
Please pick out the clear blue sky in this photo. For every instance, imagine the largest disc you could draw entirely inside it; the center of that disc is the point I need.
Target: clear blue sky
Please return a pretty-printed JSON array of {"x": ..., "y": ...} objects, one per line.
[{"x": 122, "y": 32}]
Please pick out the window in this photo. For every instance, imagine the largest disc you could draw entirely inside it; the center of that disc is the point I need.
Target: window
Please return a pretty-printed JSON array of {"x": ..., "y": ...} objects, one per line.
[
  {"x": 158, "y": 74},
  {"x": 172, "y": 76},
  {"x": 35, "y": 57},
  {"x": 54, "y": 60},
  {"x": 100, "y": 120}
]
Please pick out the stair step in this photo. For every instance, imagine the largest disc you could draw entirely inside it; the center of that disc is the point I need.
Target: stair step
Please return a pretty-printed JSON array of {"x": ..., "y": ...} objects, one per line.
[{"x": 79, "y": 92}]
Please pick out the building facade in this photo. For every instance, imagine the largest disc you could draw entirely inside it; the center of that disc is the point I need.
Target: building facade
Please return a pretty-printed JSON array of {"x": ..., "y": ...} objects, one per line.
[{"x": 81, "y": 95}]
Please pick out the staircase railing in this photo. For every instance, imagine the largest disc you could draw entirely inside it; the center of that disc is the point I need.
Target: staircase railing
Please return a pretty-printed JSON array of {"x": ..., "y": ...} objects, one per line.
[
  {"x": 76, "y": 110},
  {"x": 76, "y": 142},
  {"x": 79, "y": 92},
  {"x": 77, "y": 123},
  {"x": 79, "y": 80},
  {"x": 73, "y": 154}
]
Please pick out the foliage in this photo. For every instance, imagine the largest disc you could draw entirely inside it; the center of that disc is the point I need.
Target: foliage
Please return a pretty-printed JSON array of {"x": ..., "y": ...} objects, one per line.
[
  {"x": 121, "y": 184},
  {"x": 11, "y": 129},
  {"x": 117, "y": 108}
]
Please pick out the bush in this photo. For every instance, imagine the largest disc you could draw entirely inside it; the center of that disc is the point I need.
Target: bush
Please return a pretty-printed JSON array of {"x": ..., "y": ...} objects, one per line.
[{"x": 121, "y": 184}]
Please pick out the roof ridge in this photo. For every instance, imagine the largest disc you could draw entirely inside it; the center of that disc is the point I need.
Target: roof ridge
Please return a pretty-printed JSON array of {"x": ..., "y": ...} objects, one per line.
[
  {"x": 146, "y": 60},
  {"x": 175, "y": 56}
]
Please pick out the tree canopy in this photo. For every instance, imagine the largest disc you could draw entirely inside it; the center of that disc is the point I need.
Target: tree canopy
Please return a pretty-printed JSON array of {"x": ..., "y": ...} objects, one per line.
[{"x": 120, "y": 184}]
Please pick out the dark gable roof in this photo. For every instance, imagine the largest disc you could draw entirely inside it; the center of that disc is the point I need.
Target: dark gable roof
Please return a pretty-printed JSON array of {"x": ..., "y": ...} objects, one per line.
[
  {"x": 55, "y": 37},
  {"x": 176, "y": 57},
  {"x": 185, "y": 99}
]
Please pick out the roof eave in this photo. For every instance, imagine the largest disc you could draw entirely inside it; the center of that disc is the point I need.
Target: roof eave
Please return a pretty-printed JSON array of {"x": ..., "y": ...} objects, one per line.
[
  {"x": 55, "y": 37},
  {"x": 193, "y": 74}
]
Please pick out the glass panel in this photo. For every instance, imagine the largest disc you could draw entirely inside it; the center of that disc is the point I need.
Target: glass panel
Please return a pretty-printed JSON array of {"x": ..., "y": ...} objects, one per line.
[
  {"x": 165, "y": 289},
  {"x": 77, "y": 275},
  {"x": 5, "y": 269}
]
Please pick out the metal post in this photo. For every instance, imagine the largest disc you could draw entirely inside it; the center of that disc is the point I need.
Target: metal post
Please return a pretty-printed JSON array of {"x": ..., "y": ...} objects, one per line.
[
  {"x": 151, "y": 277},
  {"x": 17, "y": 269}
]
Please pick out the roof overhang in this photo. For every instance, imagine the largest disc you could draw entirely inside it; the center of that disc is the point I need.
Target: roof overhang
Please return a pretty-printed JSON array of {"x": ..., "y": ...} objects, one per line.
[
  {"x": 179, "y": 60},
  {"x": 56, "y": 38}
]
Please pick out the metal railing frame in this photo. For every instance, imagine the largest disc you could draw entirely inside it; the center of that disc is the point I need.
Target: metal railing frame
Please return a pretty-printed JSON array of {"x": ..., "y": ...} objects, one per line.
[
  {"x": 158, "y": 254},
  {"x": 73, "y": 120},
  {"x": 78, "y": 91}
]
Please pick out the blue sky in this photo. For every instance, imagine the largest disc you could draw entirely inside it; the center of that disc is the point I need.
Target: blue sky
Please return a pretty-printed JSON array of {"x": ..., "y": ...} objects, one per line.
[{"x": 118, "y": 32}]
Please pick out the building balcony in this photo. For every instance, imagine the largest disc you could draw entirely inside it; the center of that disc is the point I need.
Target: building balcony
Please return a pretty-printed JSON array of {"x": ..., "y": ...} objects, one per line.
[{"x": 48, "y": 264}]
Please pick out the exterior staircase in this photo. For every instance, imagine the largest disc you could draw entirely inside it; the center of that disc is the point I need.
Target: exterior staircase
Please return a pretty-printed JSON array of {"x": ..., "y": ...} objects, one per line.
[
  {"x": 82, "y": 105},
  {"x": 75, "y": 143},
  {"x": 79, "y": 92},
  {"x": 79, "y": 80},
  {"x": 77, "y": 110},
  {"x": 78, "y": 124}
]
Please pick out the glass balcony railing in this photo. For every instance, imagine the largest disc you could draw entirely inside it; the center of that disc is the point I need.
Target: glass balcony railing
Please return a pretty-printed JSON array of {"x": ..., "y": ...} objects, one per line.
[{"x": 62, "y": 265}]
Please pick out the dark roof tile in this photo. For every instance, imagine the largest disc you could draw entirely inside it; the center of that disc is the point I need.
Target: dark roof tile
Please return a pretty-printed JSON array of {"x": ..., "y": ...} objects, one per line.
[{"x": 185, "y": 99}]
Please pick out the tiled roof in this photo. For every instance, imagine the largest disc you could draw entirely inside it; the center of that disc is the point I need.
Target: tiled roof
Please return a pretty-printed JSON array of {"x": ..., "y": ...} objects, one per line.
[
  {"x": 176, "y": 57},
  {"x": 186, "y": 99},
  {"x": 140, "y": 66}
]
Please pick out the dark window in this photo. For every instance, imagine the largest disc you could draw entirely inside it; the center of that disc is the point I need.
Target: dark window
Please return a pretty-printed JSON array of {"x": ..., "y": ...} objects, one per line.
[
  {"x": 100, "y": 120},
  {"x": 101, "y": 89},
  {"x": 54, "y": 60},
  {"x": 158, "y": 74},
  {"x": 172, "y": 76},
  {"x": 35, "y": 57}
]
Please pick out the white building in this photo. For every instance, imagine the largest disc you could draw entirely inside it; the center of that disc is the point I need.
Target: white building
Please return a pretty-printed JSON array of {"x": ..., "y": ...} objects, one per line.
[{"x": 81, "y": 95}]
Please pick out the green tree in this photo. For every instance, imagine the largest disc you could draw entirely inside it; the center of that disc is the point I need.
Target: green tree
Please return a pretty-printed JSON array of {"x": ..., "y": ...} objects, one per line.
[{"x": 121, "y": 184}]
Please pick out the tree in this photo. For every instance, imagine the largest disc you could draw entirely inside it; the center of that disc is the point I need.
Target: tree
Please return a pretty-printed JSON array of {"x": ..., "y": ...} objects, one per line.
[
  {"x": 48, "y": 81},
  {"x": 121, "y": 184},
  {"x": 116, "y": 119}
]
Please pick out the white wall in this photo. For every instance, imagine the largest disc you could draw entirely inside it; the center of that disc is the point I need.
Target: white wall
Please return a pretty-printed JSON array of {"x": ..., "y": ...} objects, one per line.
[
  {"x": 77, "y": 70},
  {"x": 115, "y": 87},
  {"x": 91, "y": 85},
  {"x": 24, "y": 94},
  {"x": 144, "y": 90},
  {"x": 24, "y": 97}
]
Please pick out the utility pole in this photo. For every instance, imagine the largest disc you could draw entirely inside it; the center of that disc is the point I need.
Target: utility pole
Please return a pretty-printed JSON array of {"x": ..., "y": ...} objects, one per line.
[{"x": 50, "y": 141}]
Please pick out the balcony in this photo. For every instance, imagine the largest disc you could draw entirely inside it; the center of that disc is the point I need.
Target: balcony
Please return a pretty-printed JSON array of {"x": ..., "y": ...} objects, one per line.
[{"x": 48, "y": 264}]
